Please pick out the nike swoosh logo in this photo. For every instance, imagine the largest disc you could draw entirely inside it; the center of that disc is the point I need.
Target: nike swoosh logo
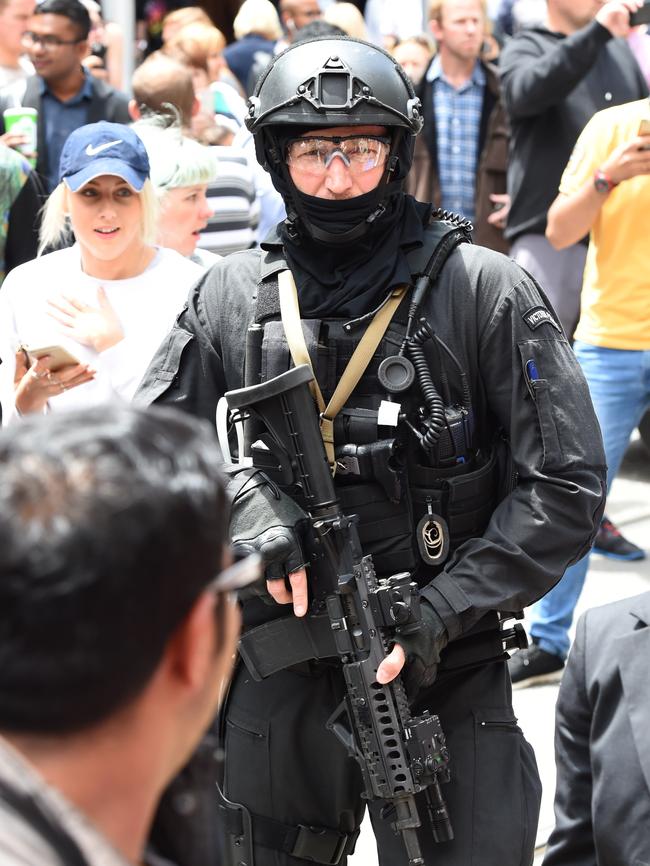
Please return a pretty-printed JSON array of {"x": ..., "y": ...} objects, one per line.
[{"x": 93, "y": 151}]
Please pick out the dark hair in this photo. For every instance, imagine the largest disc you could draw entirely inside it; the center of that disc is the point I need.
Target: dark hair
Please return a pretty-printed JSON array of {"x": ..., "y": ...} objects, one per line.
[
  {"x": 112, "y": 523},
  {"x": 72, "y": 9},
  {"x": 316, "y": 29}
]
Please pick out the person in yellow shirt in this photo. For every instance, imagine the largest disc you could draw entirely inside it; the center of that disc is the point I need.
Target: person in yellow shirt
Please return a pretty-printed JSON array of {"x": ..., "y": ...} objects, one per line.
[{"x": 604, "y": 191}]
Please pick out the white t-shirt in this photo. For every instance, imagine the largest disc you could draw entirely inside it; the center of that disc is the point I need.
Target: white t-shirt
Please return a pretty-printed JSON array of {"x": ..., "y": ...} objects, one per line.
[
  {"x": 147, "y": 306},
  {"x": 11, "y": 74}
]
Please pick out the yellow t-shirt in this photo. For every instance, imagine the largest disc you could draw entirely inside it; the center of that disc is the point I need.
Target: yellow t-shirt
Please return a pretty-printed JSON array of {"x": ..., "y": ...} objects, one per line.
[{"x": 615, "y": 300}]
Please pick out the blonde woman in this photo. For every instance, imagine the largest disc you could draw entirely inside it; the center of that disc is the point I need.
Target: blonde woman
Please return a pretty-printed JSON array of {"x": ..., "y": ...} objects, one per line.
[
  {"x": 181, "y": 170},
  {"x": 108, "y": 300}
]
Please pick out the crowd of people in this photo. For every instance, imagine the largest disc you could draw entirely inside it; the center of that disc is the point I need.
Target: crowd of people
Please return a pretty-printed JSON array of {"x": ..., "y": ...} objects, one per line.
[{"x": 148, "y": 227}]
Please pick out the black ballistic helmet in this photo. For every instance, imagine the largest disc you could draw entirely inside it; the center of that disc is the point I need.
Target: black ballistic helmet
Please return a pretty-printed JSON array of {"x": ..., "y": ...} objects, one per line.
[
  {"x": 334, "y": 82},
  {"x": 328, "y": 82}
]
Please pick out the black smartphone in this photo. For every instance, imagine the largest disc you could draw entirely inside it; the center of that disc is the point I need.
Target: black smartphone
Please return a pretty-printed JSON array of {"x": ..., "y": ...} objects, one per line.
[
  {"x": 641, "y": 16},
  {"x": 98, "y": 49}
]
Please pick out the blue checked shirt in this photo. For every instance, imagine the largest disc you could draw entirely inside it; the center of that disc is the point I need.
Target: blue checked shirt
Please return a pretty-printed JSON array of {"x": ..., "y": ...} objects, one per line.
[{"x": 458, "y": 121}]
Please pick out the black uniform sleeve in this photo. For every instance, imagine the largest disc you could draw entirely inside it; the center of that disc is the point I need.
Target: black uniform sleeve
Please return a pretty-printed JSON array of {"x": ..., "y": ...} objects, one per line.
[
  {"x": 534, "y": 388},
  {"x": 572, "y": 838},
  {"x": 535, "y": 77},
  {"x": 187, "y": 371},
  {"x": 24, "y": 222}
]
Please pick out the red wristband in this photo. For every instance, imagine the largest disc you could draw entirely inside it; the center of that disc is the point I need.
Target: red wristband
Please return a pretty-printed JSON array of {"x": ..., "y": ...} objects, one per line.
[{"x": 603, "y": 182}]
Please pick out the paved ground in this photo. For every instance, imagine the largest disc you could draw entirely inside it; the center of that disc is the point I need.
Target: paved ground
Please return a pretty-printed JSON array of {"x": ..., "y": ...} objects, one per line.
[{"x": 629, "y": 507}]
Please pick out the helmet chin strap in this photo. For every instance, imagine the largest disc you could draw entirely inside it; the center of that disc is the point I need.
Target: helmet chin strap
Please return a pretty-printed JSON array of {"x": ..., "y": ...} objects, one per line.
[{"x": 297, "y": 216}]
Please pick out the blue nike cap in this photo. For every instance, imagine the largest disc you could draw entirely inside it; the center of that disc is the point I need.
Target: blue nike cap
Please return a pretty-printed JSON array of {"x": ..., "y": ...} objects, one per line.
[{"x": 103, "y": 148}]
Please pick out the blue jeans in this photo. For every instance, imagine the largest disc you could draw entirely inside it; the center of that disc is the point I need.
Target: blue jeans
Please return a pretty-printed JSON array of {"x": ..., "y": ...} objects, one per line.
[{"x": 619, "y": 383}]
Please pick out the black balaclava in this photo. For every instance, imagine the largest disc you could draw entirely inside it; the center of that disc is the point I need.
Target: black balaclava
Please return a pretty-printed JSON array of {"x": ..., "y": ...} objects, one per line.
[{"x": 351, "y": 277}]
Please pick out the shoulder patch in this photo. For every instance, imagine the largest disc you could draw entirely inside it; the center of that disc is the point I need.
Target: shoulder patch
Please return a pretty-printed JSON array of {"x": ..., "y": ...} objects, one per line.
[{"x": 537, "y": 316}]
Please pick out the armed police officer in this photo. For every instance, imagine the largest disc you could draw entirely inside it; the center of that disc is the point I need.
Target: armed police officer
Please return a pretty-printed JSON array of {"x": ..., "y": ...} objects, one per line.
[{"x": 465, "y": 443}]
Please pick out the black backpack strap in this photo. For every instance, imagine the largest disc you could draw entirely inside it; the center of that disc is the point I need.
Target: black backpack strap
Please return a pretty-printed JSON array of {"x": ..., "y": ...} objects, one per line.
[
  {"x": 443, "y": 234},
  {"x": 441, "y": 237},
  {"x": 37, "y": 818}
]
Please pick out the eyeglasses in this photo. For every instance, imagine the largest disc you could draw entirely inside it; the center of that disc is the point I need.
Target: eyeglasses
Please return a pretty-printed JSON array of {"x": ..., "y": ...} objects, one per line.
[
  {"x": 360, "y": 153},
  {"x": 246, "y": 569},
  {"x": 47, "y": 42}
]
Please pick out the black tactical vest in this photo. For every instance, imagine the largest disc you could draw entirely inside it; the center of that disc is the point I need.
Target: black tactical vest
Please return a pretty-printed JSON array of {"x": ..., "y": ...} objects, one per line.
[{"x": 412, "y": 511}]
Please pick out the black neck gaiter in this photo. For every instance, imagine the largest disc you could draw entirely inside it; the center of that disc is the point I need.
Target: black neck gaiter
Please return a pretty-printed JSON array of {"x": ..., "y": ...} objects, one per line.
[{"x": 348, "y": 280}]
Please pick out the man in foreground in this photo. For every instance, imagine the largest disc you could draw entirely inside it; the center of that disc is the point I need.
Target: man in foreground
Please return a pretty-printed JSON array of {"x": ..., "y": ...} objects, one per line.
[
  {"x": 117, "y": 632},
  {"x": 334, "y": 122}
]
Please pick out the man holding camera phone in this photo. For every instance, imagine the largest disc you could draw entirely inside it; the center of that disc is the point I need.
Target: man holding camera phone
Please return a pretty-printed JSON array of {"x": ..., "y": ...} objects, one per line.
[
  {"x": 554, "y": 78},
  {"x": 605, "y": 192}
]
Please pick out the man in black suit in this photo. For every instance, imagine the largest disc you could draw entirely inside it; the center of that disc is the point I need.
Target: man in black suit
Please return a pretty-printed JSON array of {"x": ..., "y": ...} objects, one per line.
[
  {"x": 602, "y": 741},
  {"x": 65, "y": 95}
]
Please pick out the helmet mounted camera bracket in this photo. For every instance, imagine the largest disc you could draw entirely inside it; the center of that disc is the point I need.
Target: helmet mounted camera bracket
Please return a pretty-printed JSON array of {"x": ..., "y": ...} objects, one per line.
[{"x": 334, "y": 87}]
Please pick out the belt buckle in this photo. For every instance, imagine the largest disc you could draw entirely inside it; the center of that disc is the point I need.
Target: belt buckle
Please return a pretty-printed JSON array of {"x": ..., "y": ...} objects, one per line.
[{"x": 319, "y": 845}]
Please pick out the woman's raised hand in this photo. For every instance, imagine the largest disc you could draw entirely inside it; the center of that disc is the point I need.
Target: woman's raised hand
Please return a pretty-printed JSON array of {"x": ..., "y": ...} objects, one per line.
[{"x": 98, "y": 327}]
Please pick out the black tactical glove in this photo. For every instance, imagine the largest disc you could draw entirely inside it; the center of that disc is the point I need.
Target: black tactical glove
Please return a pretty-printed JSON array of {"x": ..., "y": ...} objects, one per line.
[
  {"x": 266, "y": 521},
  {"x": 422, "y": 643}
]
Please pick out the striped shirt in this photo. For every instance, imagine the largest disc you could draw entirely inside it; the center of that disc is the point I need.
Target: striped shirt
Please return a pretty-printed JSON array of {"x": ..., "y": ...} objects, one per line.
[
  {"x": 458, "y": 121},
  {"x": 232, "y": 199}
]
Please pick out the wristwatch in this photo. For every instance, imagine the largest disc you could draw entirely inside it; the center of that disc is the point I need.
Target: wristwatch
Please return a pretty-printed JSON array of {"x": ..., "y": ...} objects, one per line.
[{"x": 603, "y": 182}]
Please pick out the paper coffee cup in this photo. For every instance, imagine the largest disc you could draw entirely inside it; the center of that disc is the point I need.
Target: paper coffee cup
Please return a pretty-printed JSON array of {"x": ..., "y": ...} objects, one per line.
[{"x": 22, "y": 120}]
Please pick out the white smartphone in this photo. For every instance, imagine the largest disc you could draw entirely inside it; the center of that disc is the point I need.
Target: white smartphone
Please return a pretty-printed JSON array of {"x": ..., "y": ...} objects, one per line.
[{"x": 59, "y": 357}]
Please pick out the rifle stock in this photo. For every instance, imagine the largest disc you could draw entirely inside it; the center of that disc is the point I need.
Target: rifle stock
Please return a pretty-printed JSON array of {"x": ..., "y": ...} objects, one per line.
[{"x": 399, "y": 755}]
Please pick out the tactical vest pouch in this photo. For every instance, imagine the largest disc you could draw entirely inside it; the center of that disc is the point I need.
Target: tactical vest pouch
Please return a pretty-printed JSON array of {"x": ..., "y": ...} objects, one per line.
[
  {"x": 276, "y": 358},
  {"x": 385, "y": 527},
  {"x": 464, "y": 497}
]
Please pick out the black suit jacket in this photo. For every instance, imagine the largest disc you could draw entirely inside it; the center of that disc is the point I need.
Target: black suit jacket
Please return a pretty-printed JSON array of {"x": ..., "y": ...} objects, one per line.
[
  {"x": 106, "y": 103},
  {"x": 602, "y": 746}
]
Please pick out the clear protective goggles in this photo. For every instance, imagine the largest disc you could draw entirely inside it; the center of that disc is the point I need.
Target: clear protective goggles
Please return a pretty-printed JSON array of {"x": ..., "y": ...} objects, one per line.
[{"x": 360, "y": 153}]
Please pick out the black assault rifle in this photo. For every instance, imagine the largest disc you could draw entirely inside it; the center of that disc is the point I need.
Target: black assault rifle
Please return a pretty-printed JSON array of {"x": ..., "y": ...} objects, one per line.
[{"x": 399, "y": 755}]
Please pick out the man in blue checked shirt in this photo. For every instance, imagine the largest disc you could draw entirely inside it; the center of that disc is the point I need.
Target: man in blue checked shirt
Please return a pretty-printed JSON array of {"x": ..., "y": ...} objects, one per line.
[{"x": 460, "y": 159}]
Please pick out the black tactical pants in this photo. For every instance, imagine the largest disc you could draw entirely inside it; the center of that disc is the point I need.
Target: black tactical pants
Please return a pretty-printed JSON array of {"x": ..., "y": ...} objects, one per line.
[{"x": 282, "y": 763}]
